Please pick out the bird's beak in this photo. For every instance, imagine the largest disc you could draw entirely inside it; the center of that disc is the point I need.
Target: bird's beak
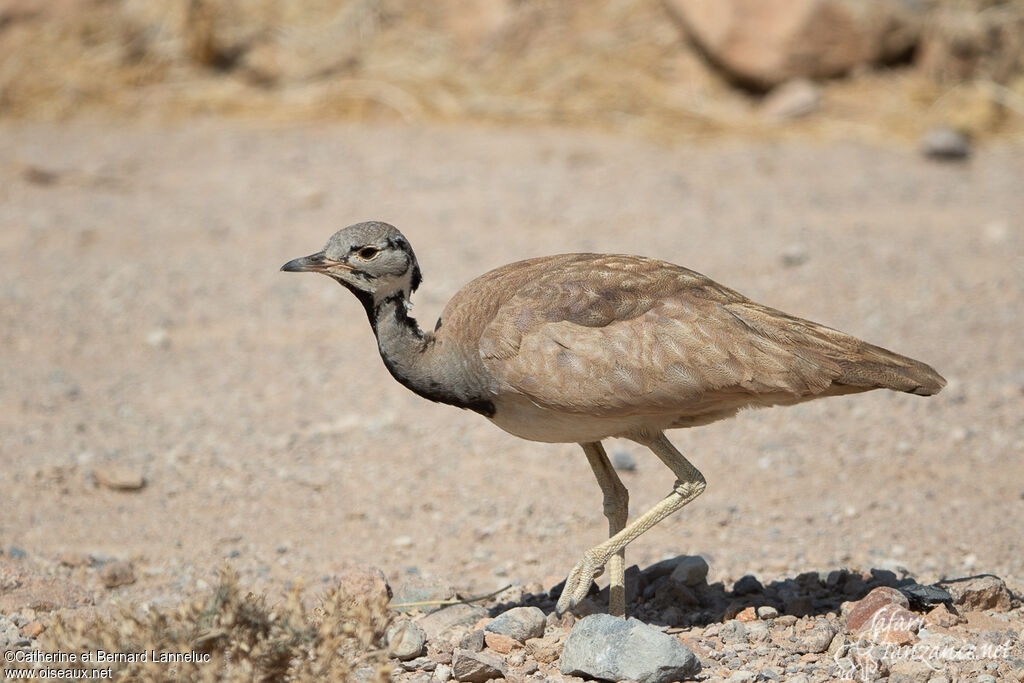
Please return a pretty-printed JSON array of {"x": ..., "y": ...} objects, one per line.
[{"x": 314, "y": 263}]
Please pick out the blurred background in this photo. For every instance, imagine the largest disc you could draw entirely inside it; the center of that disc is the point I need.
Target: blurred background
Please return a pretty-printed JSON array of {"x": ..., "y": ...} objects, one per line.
[
  {"x": 170, "y": 401},
  {"x": 675, "y": 68}
]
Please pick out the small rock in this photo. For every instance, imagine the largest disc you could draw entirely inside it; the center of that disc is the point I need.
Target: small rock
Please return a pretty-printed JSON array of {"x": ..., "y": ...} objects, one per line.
[
  {"x": 946, "y": 144},
  {"x": 623, "y": 461},
  {"x": 941, "y": 616},
  {"x": 791, "y": 100},
  {"x": 860, "y": 612},
  {"x": 419, "y": 589},
  {"x": 794, "y": 255},
  {"x": 473, "y": 641},
  {"x": 924, "y": 596},
  {"x": 519, "y": 623},
  {"x": 757, "y": 632},
  {"x": 747, "y": 585},
  {"x": 419, "y": 664},
  {"x": 690, "y": 570},
  {"x": 476, "y": 667},
  {"x": 117, "y": 573},
  {"x": 405, "y": 640},
  {"x": 119, "y": 478},
  {"x": 74, "y": 560},
  {"x": 910, "y": 671},
  {"x": 892, "y": 625},
  {"x": 814, "y": 640},
  {"x": 742, "y": 677},
  {"x": 603, "y": 646},
  {"x": 747, "y": 614},
  {"x": 33, "y": 629},
  {"x": 501, "y": 643},
  {"x": 544, "y": 650},
  {"x": 16, "y": 553},
  {"x": 362, "y": 584},
  {"x": 979, "y": 593},
  {"x": 158, "y": 338},
  {"x": 767, "y": 612},
  {"x": 442, "y": 673}
]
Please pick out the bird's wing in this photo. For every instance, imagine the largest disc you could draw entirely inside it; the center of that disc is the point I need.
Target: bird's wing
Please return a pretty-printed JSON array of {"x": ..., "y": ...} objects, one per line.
[{"x": 622, "y": 335}]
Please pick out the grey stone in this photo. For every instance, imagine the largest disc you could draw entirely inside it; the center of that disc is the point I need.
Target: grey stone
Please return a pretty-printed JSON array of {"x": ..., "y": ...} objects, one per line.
[
  {"x": 910, "y": 671},
  {"x": 406, "y": 640},
  {"x": 791, "y": 100},
  {"x": 445, "y": 619},
  {"x": 472, "y": 641},
  {"x": 946, "y": 144},
  {"x": 742, "y": 677},
  {"x": 442, "y": 673},
  {"x": 814, "y": 640},
  {"x": 623, "y": 461},
  {"x": 476, "y": 667},
  {"x": 734, "y": 631},
  {"x": 16, "y": 553},
  {"x": 767, "y": 612},
  {"x": 419, "y": 664},
  {"x": 418, "y": 589},
  {"x": 520, "y": 623},
  {"x": 979, "y": 593},
  {"x": 691, "y": 570},
  {"x": 603, "y": 646}
]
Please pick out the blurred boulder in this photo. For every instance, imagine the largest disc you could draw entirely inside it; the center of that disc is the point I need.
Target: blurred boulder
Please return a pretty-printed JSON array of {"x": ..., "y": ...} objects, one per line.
[
  {"x": 960, "y": 43},
  {"x": 762, "y": 43}
]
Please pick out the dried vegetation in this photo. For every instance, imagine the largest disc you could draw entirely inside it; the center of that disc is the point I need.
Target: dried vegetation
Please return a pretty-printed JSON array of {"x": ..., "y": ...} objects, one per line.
[{"x": 236, "y": 636}]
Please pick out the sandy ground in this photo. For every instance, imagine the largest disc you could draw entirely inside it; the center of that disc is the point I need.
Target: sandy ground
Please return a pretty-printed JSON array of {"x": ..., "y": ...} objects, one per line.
[{"x": 145, "y": 326}]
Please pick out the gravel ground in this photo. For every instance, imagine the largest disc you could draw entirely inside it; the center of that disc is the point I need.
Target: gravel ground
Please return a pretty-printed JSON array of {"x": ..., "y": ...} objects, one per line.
[{"x": 170, "y": 400}]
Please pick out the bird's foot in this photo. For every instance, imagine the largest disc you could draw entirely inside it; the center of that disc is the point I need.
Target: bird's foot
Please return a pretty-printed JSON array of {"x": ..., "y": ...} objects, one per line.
[{"x": 577, "y": 584}]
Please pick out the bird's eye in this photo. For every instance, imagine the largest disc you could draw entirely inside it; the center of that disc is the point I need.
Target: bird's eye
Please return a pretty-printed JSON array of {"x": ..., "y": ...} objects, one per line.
[{"x": 368, "y": 253}]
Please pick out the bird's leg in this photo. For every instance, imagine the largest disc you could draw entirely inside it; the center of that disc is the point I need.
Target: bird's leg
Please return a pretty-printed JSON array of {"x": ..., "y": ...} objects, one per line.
[
  {"x": 616, "y": 509},
  {"x": 689, "y": 484}
]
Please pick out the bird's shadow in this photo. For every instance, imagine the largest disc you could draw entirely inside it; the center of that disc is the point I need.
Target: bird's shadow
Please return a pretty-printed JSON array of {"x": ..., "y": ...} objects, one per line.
[{"x": 658, "y": 594}]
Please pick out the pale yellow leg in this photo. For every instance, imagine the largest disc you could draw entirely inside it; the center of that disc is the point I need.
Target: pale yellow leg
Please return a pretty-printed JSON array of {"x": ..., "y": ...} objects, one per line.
[
  {"x": 689, "y": 484},
  {"x": 616, "y": 509}
]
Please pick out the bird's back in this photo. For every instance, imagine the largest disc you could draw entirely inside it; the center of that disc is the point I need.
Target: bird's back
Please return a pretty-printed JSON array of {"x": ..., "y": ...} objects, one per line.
[{"x": 615, "y": 336}]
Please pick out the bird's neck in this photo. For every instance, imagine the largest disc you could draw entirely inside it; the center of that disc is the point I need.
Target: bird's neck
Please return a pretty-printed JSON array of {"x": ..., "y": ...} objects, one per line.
[
  {"x": 418, "y": 361},
  {"x": 401, "y": 342}
]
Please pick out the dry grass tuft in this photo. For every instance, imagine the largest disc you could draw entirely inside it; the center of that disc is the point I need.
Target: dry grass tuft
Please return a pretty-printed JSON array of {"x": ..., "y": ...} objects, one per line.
[{"x": 240, "y": 636}]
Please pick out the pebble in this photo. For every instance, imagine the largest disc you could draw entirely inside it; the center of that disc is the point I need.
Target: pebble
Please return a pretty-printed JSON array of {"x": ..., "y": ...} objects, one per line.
[
  {"x": 452, "y": 617},
  {"x": 603, "y": 646},
  {"x": 405, "y": 640},
  {"x": 733, "y": 631},
  {"x": 16, "y": 553},
  {"x": 362, "y": 584},
  {"x": 473, "y": 641},
  {"x": 420, "y": 589},
  {"x": 861, "y": 612},
  {"x": 442, "y": 673},
  {"x": 690, "y": 570},
  {"x": 519, "y": 623},
  {"x": 117, "y": 573},
  {"x": 791, "y": 100},
  {"x": 946, "y": 143},
  {"x": 812, "y": 640},
  {"x": 623, "y": 461},
  {"x": 476, "y": 667},
  {"x": 501, "y": 643},
  {"x": 979, "y": 593},
  {"x": 544, "y": 650},
  {"x": 767, "y": 612},
  {"x": 119, "y": 478},
  {"x": 33, "y": 629}
]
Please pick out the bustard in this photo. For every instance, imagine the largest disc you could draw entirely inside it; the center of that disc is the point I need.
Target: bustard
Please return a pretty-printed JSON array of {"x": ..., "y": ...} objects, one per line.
[{"x": 582, "y": 347}]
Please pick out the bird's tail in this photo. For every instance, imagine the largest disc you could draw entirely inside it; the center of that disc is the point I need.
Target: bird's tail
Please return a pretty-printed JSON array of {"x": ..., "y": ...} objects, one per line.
[{"x": 878, "y": 367}]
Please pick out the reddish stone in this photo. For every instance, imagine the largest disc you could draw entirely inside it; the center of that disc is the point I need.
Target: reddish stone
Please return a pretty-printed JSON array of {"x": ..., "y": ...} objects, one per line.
[
  {"x": 501, "y": 643},
  {"x": 860, "y": 612},
  {"x": 747, "y": 614},
  {"x": 892, "y": 624}
]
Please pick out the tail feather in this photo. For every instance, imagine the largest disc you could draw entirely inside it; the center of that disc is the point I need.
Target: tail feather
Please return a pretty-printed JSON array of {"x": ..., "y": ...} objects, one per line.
[{"x": 873, "y": 366}]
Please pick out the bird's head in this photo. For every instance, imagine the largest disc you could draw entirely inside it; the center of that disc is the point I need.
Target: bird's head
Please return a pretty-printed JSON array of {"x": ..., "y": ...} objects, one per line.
[{"x": 372, "y": 259}]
